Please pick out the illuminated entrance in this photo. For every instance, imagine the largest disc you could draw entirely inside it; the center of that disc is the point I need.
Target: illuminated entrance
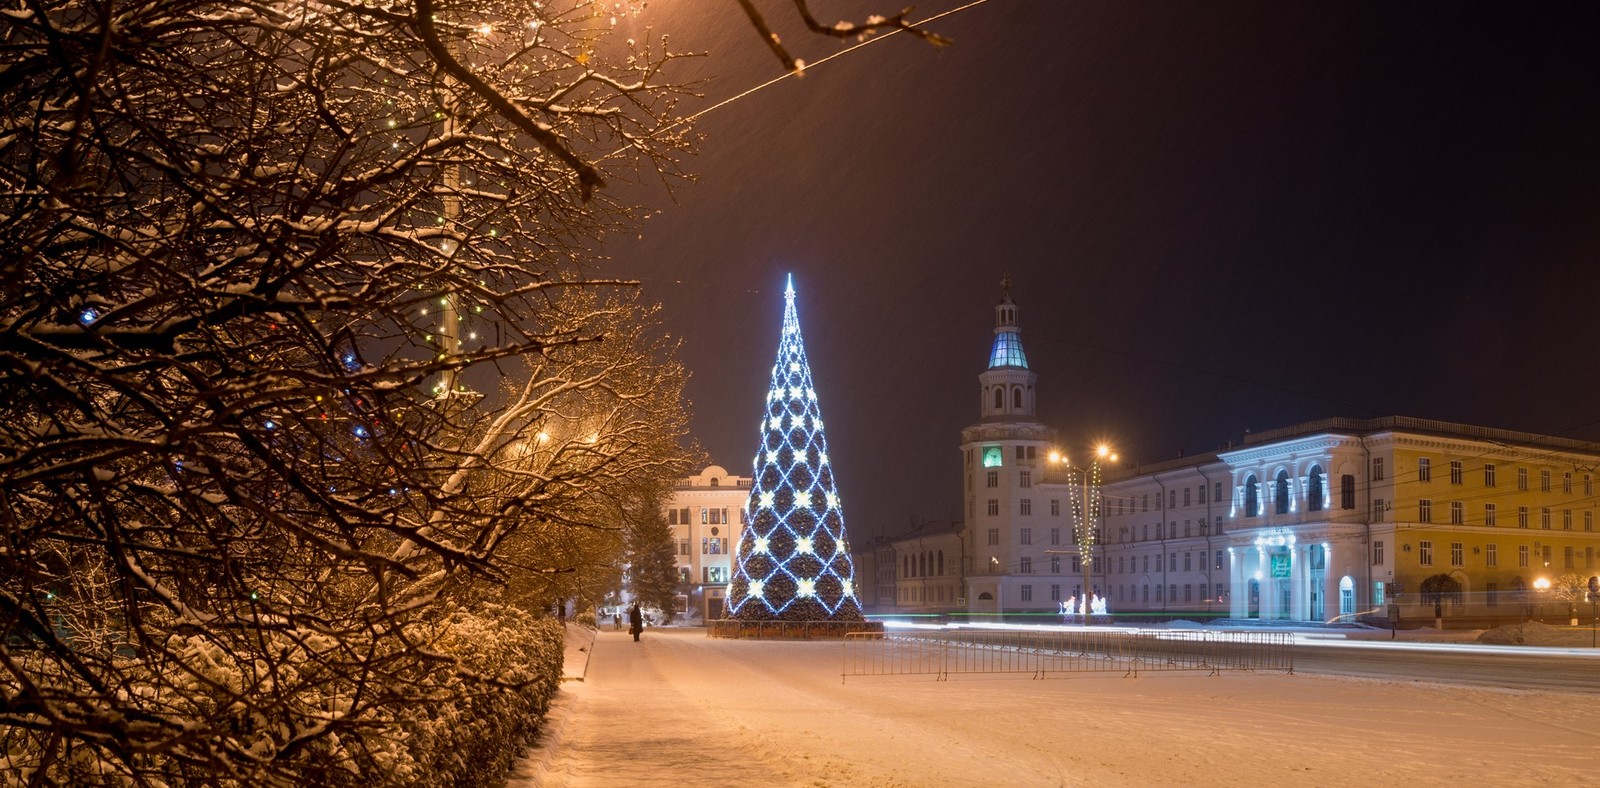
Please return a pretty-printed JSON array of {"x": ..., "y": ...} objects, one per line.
[{"x": 1283, "y": 577}]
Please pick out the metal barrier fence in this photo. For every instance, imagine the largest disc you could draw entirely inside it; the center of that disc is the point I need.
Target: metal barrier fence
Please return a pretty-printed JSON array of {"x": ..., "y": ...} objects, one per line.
[
  {"x": 941, "y": 653},
  {"x": 791, "y": 630}
]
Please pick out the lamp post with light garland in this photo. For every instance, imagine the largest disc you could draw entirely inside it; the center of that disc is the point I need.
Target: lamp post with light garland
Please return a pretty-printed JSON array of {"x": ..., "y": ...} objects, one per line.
[{"x": 1086, "y": 509}]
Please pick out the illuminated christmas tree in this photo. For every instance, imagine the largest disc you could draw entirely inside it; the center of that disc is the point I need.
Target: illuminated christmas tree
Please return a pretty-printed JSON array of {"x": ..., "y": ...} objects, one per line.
[{"x": 793, "y": 562}]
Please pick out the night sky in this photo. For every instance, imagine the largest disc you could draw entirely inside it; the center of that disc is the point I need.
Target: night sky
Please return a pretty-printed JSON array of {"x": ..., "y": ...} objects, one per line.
[{"x": 1218, "y": 217}]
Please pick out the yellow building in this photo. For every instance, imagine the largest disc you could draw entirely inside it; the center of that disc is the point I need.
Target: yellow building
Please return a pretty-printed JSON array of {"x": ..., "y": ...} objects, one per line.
[{"x": 1349, "y": 517}]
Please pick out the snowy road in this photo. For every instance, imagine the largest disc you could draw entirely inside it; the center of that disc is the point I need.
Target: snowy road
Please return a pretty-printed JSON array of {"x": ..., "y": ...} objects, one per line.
[{"x": 680, "y": 709}]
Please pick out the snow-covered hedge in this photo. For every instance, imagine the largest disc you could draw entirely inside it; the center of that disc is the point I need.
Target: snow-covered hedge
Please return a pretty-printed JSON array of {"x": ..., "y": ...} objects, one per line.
[{"x": 453, "y": 707}]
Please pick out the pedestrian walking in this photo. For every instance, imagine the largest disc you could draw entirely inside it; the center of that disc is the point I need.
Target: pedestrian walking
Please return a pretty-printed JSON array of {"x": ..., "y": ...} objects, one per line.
[{"x": 635, "y": 621}]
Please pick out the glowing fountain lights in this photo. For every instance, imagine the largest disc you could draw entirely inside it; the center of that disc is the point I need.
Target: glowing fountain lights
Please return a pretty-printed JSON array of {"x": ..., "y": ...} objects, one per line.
[{"x": 793, "y": 560}]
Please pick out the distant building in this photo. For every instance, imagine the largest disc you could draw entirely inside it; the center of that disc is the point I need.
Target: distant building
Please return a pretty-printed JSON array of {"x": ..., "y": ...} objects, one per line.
[
  {"x": 1348, "y": 517},
  {"x": 706, "y": 512}
]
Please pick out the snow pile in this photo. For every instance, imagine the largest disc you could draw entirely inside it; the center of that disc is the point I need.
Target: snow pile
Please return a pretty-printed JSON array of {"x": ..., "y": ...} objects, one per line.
[{"x": 1534, "y": 633}]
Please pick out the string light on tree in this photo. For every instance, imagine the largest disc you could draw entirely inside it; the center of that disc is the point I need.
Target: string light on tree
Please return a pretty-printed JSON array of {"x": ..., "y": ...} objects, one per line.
[{"x": 793, "y": 561}]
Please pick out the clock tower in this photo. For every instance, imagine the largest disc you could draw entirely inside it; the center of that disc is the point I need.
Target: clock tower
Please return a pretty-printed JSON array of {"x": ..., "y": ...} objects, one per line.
[{"x": 1003, "y": 459}]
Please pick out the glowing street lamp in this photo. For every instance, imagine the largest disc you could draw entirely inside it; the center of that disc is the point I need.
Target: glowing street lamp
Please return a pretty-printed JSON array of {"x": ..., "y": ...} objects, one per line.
[{"x": 1088, "y": 508}]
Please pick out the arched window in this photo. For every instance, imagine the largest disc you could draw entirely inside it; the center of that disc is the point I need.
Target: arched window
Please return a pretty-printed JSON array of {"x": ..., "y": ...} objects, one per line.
[
  {"x": 905, "y": 566},
  {"x": 1314, "y": 494},
  {"x": 999, "y": 398},
  {"x": 1016, "y": 398},
  {"x": 939, "y": 569},
  {"x": 922, "y": 565},
  {"x": 1252, "y": 497},
  {"x": 713, "y": 481},
  {"x": 1281, "y": 493}
]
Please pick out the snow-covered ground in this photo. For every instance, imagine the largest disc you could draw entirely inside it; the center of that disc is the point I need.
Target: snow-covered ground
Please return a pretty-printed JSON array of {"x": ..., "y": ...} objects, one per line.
[{"x": 680, "y": 708}]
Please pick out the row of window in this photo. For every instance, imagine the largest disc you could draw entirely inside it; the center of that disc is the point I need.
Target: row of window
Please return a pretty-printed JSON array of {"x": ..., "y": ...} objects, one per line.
[
  {"x": 1131, "y": 532},
  {"x": 708, "y": 516},
  {"x": 1491, "y": 514},
  {"x": 922, "y": 564},
  {"x": 1126, "y": 505},
  {"x": 1192, "y": 561},
  {"x": 708, "y": 574},
  {"x": 1458, "y": 473},
  {"x": 1025, "y": 507},
  {"x": 1491, "y": 555}
]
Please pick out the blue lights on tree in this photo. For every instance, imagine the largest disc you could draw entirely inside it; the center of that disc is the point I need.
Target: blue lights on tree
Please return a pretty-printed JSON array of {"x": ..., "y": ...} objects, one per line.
[{"x": 793, "y": 561}]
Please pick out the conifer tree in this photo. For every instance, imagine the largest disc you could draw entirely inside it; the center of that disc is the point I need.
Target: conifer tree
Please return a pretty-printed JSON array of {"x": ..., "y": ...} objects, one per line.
[{"x": 793, "y": 561}]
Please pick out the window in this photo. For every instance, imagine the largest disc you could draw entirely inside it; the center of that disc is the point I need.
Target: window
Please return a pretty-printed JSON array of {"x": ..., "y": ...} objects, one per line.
[
  {"x": 1377, "y": 510},
  {"x": 1219, "y": 559},
  {"x": 1488, "y": 474},
  {"x": 1172, "y": 499},
  {"x": 714, "y": 574},
  {"x": 1218, "y": 496},
  {"x": 994, "y": 507},
  {"x": 1201, "y": 492},
  {"x": 1544, "y": 518},
  {"x": 1377, "y": 552},
  {"x": 1588, "y": 484},
  {"x": 1455, "y": 472},
  {"x": 999, "y": 397},
  {"x": 1522, "y": 556},
  {"x": 1377, "y": 469},
  {"x": 1566, "y": 482},
  {"x": 1145, "y": 502},
  {"x": 1055, "y": 564},
  {"x": 716, "y": 517},
  {"x": 992, "y": 479},
  {"x": 1424, "y": 510},
  {"x": 1347, "y": 491},
  {"x": 1252, "y": 500},
  {"x": 1205, "y": 595},
  {"x": 1188, "y": 592},
  {"x": 1491, "y": 555},
  {"x": 994, "y": 536},
  {"x": 1188, "y": 562},
  {"x": 1588, "y": 558},
  {"x": 1425, "y": 552},
  {"x": 1025, "y": 565},
  {"x": 1172, "y": 593},
  {"x": 1186, "y": 496},
  {"x": 672, "y": 517},
  {"x": 1055, "y": 592},
  {"x": 1172, "y": 562},
  {"x": 705, "y": 516},
  {"x": 1146, "y": 598},
  {"x": 1159, "y": 589},
  {"x": 1281, "y": 492},
  {"x": 683, "y": 547},
  {"x": 1456, "y": 554},
  {"x": 1025, "y": 479},
  {"x": 1522, "y": 517},
  {"x": 1493, "y": 594},
  {"x": 1490, "y": 516},
  {"x": 1147, "y": 563},
  {"x": 1055, "y": 536},
  {"x": 1027, "y": 506},
  {"x": 1566, "y": 519},
  {"x": 1588, "y": 520},
  {"x": 1544, "y": 480},
  {"x": 713, "y": 545},
  {"x": 1055, "y": 507},
  {"x": 1457, "y": 517},
  {"x": 1566, "y": 554},
  {"x": 1424, "y": 469},
  {"x": 1522, "y": 478},
  {"x": 1027, "y": 535},
  {"x": 1313, "y": 490},
  {"x": 1027, "y": 593},
  {"x": 1016, "y": 400}
]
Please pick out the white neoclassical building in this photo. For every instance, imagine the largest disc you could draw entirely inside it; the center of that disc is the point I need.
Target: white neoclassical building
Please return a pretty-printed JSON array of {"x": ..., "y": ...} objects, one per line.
[{"x": 706, "y": 513}]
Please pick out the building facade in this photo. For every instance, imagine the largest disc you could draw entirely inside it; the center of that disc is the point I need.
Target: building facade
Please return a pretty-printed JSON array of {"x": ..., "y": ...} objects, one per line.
[
  {"x": 1343, "y": 518},
  {"x": 706, "y": 512}
]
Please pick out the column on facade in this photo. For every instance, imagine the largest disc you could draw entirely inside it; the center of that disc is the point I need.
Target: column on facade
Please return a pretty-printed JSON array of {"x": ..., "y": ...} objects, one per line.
[
  {"x": 1266, "y": 601},
  {"x": 1299, "y": 582},
  {"x": 1239, "y": 592}
]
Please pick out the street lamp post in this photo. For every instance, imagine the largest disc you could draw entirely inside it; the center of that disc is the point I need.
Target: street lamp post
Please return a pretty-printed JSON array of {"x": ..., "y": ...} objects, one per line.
[{"x": 1088, "y": 477}]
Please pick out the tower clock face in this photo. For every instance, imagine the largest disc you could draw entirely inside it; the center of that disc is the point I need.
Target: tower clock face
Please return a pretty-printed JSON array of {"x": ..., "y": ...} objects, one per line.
[{"x": 991, "y": 456}]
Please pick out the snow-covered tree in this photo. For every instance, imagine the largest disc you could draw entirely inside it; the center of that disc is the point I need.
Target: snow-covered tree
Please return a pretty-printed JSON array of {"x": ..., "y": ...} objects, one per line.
[{"x": 260, "y": 260}]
